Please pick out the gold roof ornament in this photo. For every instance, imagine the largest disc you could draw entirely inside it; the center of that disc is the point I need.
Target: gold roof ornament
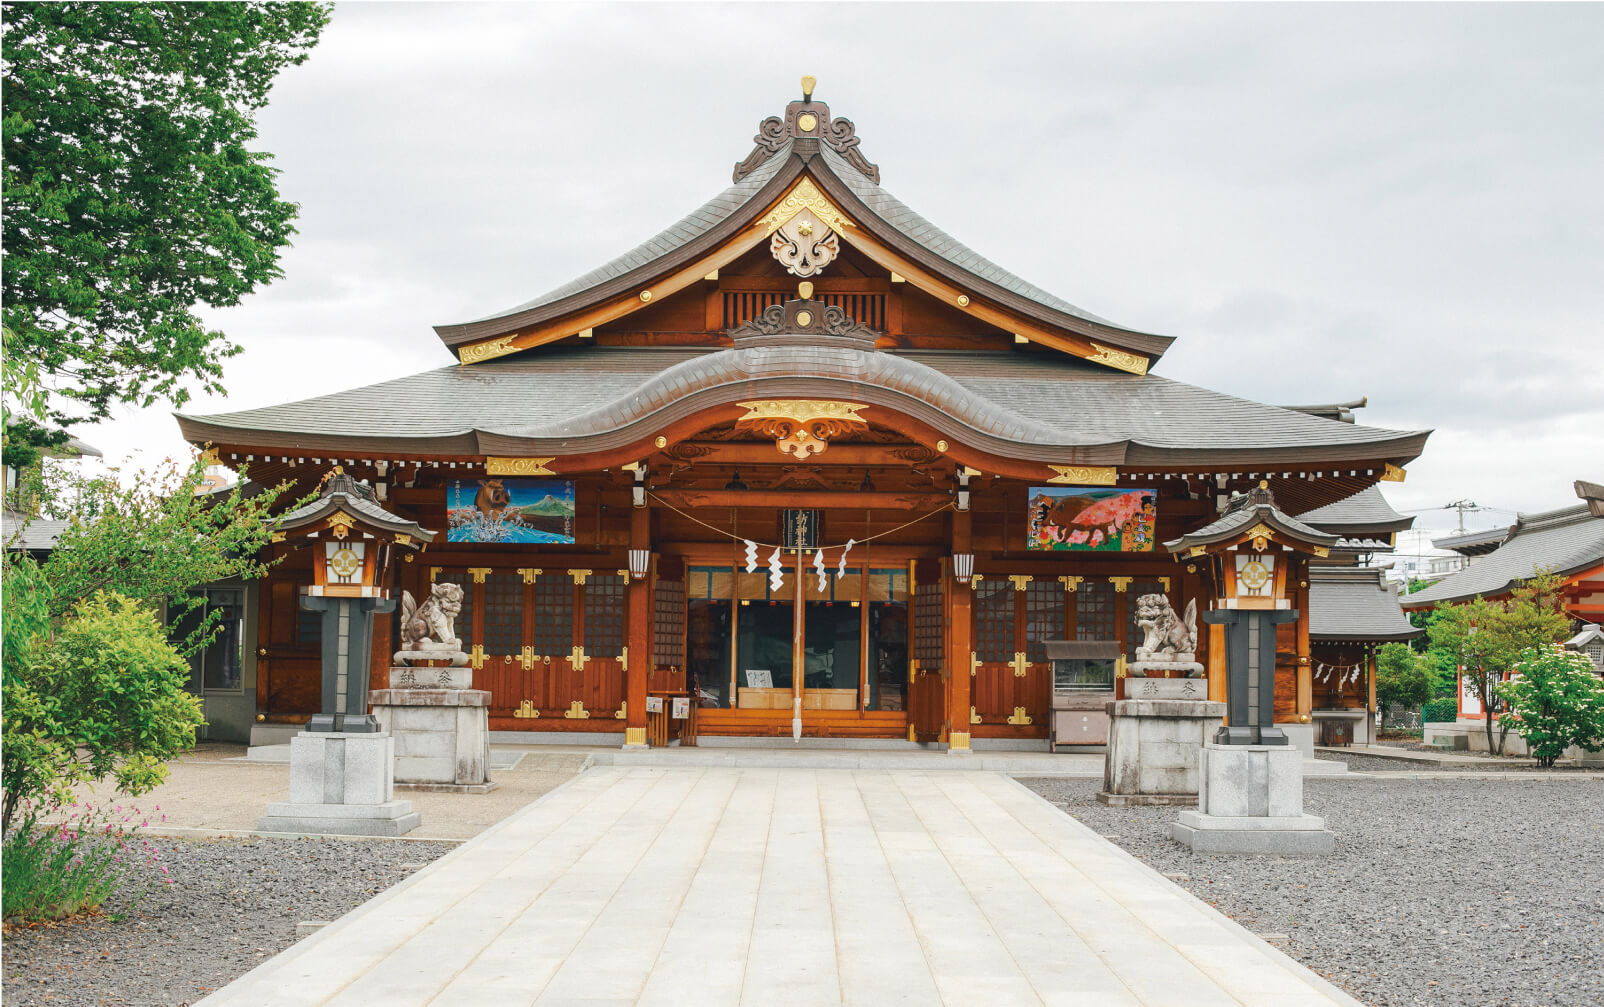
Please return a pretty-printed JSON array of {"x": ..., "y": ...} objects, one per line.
[{"x": 808, "y": 84}]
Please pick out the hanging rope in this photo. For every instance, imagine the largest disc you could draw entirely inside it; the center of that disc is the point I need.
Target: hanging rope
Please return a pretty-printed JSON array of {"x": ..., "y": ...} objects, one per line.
[{"x": 770, "y": 545}]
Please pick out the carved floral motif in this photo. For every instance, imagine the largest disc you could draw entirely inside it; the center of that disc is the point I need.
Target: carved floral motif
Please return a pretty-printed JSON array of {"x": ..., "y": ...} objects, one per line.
[{"x": 804, "y": 245}]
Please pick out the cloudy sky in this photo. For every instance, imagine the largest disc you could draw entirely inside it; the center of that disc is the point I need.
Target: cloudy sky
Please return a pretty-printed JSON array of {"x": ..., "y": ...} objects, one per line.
[{"x": 1321, "y": 202}]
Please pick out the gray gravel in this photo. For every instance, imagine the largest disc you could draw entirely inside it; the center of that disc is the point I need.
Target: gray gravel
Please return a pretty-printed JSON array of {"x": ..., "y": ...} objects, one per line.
[
  {"x": 1361, "y": 763},
  {"x": 1441, "y": 892},
  {"x": 234, "y": 903}
]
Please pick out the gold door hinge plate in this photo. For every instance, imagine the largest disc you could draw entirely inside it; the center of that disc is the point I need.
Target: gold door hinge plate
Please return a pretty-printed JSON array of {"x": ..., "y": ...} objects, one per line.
[
  {"x": 1121, "y": 583},
  {"x": 1019, "y": 664},
  {"x": 478, "y": 658},
  {"x": 479, "y": 573},
  {"x": 576, "y": 711},
  {"x": 623, "y": 659},
  {"x": 578, "y": 659},
  {"x": 974, "y": 718},
  {"x": 526, "y": 657},
  {"x": 622, "y": 713},
  {"x": 530, "y": 573},
  {"x": 526, "y": 710},
  {"x": 1020, "y": 580},
  {"x": 579, "y": 575},
  {"x": 974, "y": 664},
  {"x": 1019, "y": 718},
  {"x": 1071, "y": 582}
]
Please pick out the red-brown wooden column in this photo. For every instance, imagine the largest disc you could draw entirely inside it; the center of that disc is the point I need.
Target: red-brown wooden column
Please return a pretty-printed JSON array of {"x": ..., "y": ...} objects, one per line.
[
  {"x": 639, "y": 632},
  {"x": 960, "y": 642}
]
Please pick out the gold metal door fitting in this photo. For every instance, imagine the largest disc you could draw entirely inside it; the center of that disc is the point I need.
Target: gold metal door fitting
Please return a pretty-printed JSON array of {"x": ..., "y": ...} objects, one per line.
[
  {"x": 622, "y": 713},
  {"x": 974, "y": 718},
  {"x": 974, "y": 664},
  {"x": 479, "y": 573},
  {"x": 577, "y": 658},
  {"x": 478, "y": 657},
  {"x": 576, "y": 711},
  {"x": 526, "y": 657},
  {"x": 1019, "y": 718},
  {"x": 1019, "y": 664},
  {"x": 526, "y": 710}
]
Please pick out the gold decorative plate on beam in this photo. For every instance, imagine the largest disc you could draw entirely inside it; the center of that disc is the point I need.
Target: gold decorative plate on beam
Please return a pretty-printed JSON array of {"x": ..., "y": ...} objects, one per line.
[
  {"x": 518, "y": 466},
  {"x": 1083, "y": 475}
]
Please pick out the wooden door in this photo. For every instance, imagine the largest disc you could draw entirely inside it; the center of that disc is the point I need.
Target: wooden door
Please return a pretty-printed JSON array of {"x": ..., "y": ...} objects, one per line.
[
  {"x": 289, "y": 662},
  {"x": 1013, "y": 616},
  {"x": 927, "y": 687}
]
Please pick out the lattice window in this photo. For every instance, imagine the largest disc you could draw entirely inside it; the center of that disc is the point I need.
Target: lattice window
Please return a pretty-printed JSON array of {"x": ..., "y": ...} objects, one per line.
[
  {"x": 604, "y": 615},
  {"x": 994, "y": 620},
  {"x": 464, "y": 624},
  {"x": 1044, "y": 617},
  {"x": 668, "y": 644},
  {"x": 504, "y": 613},
  {"x": 554, "y": 615},
  {"x": 1133, "y": 635},
  {"x": 1094, "y": 611},
  {"x": 929, "y": 623}
]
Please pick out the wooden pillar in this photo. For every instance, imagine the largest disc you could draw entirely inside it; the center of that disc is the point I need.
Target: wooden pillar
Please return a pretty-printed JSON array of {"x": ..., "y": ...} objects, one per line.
[
  {"x": 1217, "y": 671},
  {"x": 1305, "y": 667},
  {"x": 639, "y": 632},
  {"x": 960, "y": 641}
]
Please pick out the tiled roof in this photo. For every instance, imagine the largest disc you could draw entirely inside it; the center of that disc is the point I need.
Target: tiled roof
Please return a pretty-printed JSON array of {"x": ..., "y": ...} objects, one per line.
[
  {"x": 1564, "y": 541},
  {"x": 1355, "y": 603},
  {"x": 571, "y": 392},
  {"x": 1365, "y": 511},
  {"x": 345, "y": 493},
  {"x": 37, "y": 534}
]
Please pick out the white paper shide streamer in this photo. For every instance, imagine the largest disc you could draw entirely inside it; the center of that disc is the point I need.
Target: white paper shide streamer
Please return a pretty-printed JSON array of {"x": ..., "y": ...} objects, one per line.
[
  {"x": 841, "y": 567},
  {"x": 776, "y": 571},
  {"x": 818, "y": 567},
  {"x": 751, "y": 555}
]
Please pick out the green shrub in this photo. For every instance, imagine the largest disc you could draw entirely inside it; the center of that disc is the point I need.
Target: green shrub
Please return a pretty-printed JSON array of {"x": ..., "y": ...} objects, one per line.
[
  {"x": 1440, "y": 711},
  {"x": 1555, "y": 701},
  {"x": 102, "y": 697},
  {"x": 62, "y": 867}
]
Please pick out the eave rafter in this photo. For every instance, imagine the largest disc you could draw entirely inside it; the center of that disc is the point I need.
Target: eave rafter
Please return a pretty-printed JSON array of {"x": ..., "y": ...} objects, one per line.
[{"x": 807, "y": 194}]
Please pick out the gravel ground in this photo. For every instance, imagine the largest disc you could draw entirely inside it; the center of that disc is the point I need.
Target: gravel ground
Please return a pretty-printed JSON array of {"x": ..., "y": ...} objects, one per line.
[
  {"x": 1361, "y": 763},
  {"x": 233, "y": 904},
  {"x": 1441, "y": 892}
]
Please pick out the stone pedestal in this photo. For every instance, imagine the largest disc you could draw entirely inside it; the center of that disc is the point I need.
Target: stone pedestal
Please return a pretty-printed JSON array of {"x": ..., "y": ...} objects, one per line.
[
  {"x": 341, "y": 784},
  {"x": 1252, "y": 802},
  {"x": 1153, "y": 748},
  {"x": 442, "y": 736}
]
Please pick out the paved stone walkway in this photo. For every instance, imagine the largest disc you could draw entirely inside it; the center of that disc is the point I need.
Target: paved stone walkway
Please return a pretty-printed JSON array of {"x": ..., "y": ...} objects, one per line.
[{"x": 717, "y": 885}]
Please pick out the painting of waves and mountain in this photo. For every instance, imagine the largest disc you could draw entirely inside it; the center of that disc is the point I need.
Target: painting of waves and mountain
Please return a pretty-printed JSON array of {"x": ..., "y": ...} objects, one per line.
[
  {"x": 1065, "y": 518},
  {"x": 511, "y": 510}
]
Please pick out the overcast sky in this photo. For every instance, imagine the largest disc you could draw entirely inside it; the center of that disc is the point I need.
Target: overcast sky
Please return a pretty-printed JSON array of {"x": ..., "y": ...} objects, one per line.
[{"x": 1320, "y": 202}]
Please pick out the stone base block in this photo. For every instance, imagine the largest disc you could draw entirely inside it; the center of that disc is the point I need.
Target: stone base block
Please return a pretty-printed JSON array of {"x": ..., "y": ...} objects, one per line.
[
  {"x": 1166, "y": 688},
  {"x": 442, "y": 736},
  {"x": 450, "y": 788},
  {"x": 1265, "y": 837},
  {"x": 1141, "y": 800},
  {"x": 334, "y": 768},
  {"x": 1153, "y": 745},
  {"x": 391, "y": 818}
]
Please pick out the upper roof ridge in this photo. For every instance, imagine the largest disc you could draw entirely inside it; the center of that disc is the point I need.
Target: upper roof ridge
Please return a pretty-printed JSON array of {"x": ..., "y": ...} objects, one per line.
[{"x": 806, "y": 119}]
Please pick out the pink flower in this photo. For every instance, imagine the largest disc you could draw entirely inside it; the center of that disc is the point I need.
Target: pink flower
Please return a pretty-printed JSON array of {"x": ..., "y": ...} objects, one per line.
[{"x": 1097, "y": 539}]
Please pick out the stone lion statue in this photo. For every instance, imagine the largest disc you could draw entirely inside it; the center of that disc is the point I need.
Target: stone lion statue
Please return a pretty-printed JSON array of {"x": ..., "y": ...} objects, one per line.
[
  {"x": 1165, "y": 637},
  {"x": 432, "y": 625}
]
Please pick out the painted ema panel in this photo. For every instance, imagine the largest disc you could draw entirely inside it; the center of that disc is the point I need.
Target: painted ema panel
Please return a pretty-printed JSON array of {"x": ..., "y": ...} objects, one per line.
[
  {"x": 511, "y": 510},
  {"x": 1079, "y": 518}
]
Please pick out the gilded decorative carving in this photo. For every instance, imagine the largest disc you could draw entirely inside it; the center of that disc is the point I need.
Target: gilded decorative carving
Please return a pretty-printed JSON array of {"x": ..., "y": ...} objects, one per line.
[
  {"x": 490, "y": 348},
  {"x": 802, "y": 428},
  {"x": 1083, "y": 475},
  {"x": 341, "y": 523},
  {"x": 804, "y": 245},
  {"x": 495, "y": 466},
  {"x": 804, "y": 196},
  {"x": 1261, "y": 534},
  {"x": 1135, "y": 363}
]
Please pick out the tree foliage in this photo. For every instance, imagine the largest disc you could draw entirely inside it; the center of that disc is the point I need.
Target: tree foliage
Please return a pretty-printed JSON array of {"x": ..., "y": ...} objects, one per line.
[
  {"x": 1403, "y": 677},
  {"x": 1555, "y": 701},
  {"x": 130, "y": 195},
  {"x": 1484, "y": 639}
]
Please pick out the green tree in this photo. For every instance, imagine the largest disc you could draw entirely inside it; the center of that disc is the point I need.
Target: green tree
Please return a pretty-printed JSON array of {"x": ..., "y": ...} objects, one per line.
[
  {"x": 1403, "y": 677},
  {"x": 1555, "y": 701},
  {"x": 102, "y": 696},
  {"x": 130, "y": 193},
  {"x": 1484, "y": 639}
]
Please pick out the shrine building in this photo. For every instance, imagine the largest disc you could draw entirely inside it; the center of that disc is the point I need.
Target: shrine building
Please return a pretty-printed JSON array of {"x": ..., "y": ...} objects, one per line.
[{"x": 807, "y": 461}]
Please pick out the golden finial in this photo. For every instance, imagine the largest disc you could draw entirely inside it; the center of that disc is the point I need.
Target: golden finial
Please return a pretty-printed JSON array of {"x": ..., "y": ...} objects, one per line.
[
  {"x": 808, "y": 84},
  {"x": 804, "y": 290}
]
